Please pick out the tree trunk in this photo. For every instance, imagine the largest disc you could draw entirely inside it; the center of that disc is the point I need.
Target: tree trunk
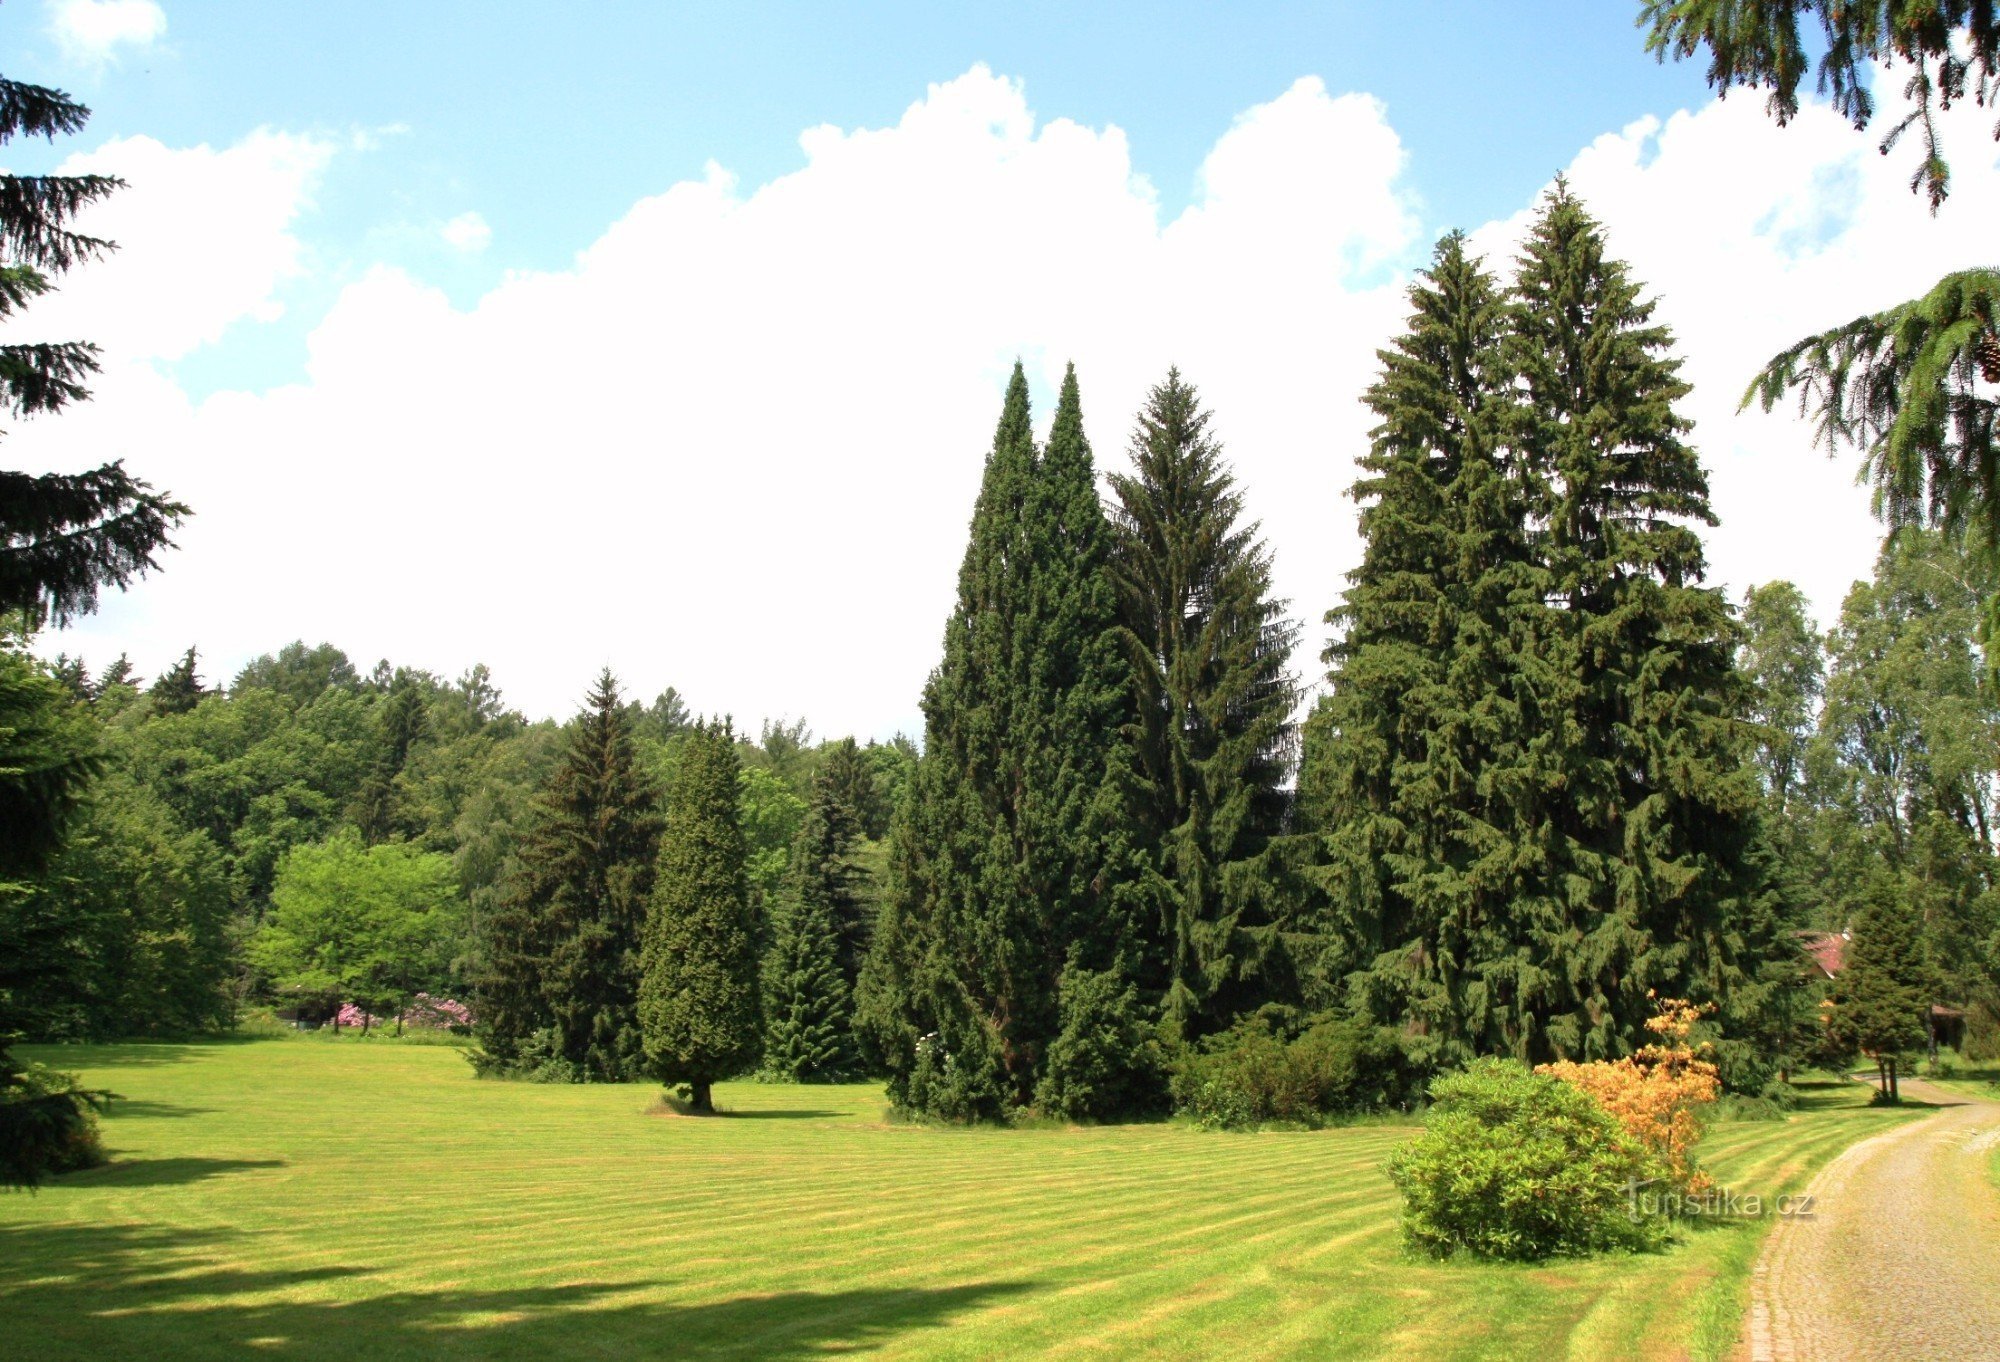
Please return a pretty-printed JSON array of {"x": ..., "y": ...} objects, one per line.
[
  {"x": 1895, "y": 1092},
  {"x": 700, "y": 1101}
]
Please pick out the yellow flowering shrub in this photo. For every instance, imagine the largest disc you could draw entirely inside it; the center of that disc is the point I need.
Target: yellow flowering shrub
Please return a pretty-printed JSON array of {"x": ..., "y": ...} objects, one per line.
[{"x": 1660, "y": 1094}]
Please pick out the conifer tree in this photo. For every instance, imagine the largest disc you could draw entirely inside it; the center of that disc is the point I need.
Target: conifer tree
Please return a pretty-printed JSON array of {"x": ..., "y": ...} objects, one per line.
[
  {"x": 179, "y": 687},
  {"x": 1215, "y": 739},
  {"x": 1643, "y": 827},
  {"x": 563, "y": 947},
  {"x": 1410, "y": 763},
  {"x": 1881, "y": 999},
  {"x": 823, "y": 865},
  {"x": 1014, "y": 848},
  {"x": 118, "y": 673},
  {"x": 809, "y": 1008},
  {"x": 63, "y": 536},
  {"x": 402, "y": 723},
  {"x": 698, "y": 998}
]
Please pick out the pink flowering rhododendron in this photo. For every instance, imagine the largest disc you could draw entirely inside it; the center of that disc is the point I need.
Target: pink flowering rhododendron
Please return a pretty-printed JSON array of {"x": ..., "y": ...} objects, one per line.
[
  {"x": 426, "y": 1010},
  {"x": 351, "y": 1014}
]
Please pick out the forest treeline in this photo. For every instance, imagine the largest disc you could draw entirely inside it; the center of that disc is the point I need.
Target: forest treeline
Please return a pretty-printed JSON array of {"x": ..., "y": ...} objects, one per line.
[{"x": 1547, "y": 776}]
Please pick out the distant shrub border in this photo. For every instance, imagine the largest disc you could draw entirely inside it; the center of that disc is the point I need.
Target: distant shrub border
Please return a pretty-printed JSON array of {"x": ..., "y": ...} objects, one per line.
[
  {"x": 1514, "y": 1164},
  {"x": 1262, "y": 1072}
]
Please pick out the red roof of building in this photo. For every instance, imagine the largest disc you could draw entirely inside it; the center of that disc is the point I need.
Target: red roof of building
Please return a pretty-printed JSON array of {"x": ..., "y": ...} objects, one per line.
[{"x": 1828, "y": 950}]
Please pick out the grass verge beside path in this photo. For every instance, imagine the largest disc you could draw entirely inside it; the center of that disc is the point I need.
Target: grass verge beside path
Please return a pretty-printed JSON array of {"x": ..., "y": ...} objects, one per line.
[{"x": 299, "y": 1200}]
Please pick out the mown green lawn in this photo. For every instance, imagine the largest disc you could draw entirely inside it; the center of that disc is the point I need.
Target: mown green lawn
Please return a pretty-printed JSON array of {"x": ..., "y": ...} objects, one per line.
[{"x": 352, "y": 1200}]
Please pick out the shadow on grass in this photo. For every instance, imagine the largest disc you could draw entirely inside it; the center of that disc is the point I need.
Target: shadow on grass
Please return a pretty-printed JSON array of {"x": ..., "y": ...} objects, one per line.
[
  {"x": 160, "y": 1172},
  {"x": 140, "y": 1054},
  {"x": 121, "y": 1291},
  {"x": 770, "y": 1115},
  {"x": 152, "y": 1111}
]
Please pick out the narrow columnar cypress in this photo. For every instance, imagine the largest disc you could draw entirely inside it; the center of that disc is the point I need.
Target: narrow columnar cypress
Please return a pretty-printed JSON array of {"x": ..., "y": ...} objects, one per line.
[
  {"x": 1015, "y": 848},
  {"x": 1411, "y": 762},
  {"x": 698, "y": 996},
  {"x": 1643, "y": 834},
  {"x": 1215, "y": 742},
  {"x": 562, "y": 951}
]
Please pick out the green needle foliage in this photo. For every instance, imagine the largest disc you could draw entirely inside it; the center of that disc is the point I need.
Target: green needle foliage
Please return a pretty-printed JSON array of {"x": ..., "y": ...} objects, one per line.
[
  {"x": 1881, "y": 1002},
  {"x": 1014, "y": 847},
  {"x": 1416, "y": 764},
  {"x": 63, "y": 536},
  {"x": 1535, "y": 808},
  {"x": 1651, "y": 863},
  {"x": 698, "y": 1000},
  {"x": 563, "y": 947},
  {"x": 1904, "y": 387},
  {"x": 1952, "y": 48},
  {"x": 1210, "y": 646},
  {"x": 179, "y": 687},
  {"x": 809, "y": 1007}
]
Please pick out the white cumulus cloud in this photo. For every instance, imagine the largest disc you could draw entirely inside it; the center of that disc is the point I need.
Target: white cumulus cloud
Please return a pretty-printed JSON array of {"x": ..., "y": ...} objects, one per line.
[
  {"x": 468, "y": 232},
  {"x": 733, "y": 447},
  {"x": 204, "y": 238},
  {"x": 90, "y": 32}
]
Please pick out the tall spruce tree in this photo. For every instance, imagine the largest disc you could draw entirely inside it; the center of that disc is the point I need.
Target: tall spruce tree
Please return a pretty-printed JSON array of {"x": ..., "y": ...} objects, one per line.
[
  {"x": 698, "y": 999},
  {"x": 1643, "y": 827},
  {"x": 563, "y": 946},
  {"x": 809, "y": 999},
  {"x": 1013, "y": 849},
  {"x": 1411, "y": 766},
  {"x": 1215, "y": 739}
]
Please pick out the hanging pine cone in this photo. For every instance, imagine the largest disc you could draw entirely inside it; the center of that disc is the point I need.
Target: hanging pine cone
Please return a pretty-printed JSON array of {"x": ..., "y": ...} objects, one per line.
[{"x": 1988, "y": 354}]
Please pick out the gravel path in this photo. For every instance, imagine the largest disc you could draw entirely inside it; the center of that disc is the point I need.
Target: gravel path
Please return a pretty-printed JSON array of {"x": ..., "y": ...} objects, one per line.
[{"x": 1901, "y": 1255}]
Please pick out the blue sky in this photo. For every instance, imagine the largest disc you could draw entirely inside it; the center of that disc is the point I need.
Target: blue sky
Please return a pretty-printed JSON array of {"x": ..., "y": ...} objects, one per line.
[
  {"x": 549, "y": 121},
  {"x": 670, "y": 338}
]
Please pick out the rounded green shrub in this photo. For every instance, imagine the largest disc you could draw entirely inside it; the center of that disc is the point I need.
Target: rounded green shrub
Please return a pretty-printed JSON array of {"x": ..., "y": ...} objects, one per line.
[
  {"x": 1518, "y": 1165},
  {"x": 1260, "y": 1072}
]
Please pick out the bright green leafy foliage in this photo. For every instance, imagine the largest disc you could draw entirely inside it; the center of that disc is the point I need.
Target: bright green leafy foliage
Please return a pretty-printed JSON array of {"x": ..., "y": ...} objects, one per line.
[
  {"x": 1015, "y": 855},
  {"x": 349, "y": 922},
  {"x": 698, "y": 992},
  {"x": 1211, "y": 647},
  {"x": 1903, "y": 771},
  {"x": 562, "y": 948},
  {"x": 1514, "y": 1164},
  {"x": 138, "y": 918}
]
